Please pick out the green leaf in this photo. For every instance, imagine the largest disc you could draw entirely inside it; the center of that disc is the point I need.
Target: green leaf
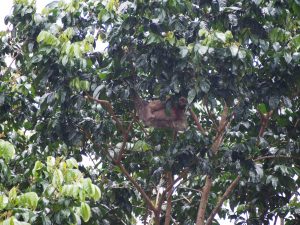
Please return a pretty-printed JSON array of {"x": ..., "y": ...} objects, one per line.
[
  {"x": 37, "y": 166},
  {"x": 50, "y": 163},
  {"x": 67, "y": 190},
  {"x": 282, "y": 168},
  {"x": 13, "y": 221},
  {"x": 85, "y": 211},
  {"x": 88, "y": 186},
  {"x": 205, "y": 86},
  {"x": 7, "y": 150},
  {"x": 41, "y": 36},
  {"x": 141, "y": 145},
  {"x": 191, "y": 95},
  {"x": 234, "y": 50},
  {"x": 97, "y": 194},
  {"x": 183, "y": 51},
  {"x": 72, "y": 190},
  {"x": 29, "y": 200},
  {"x": 221, "y": 36},
  {"x": 202, "y": 49},
  {"x": 242, "y": 54},
  {"x": 84, "y": 85},
  {"x": 259, "y": 170},
  {"x": 47, "y": 38},
  {"x": 170, "y": 38},
  {"x": 12, "y": 194},
  {"x": 274, "y": 102},
  {"x": 97, "y": 91},
  {"x": 3, "y": 201},
  {"x": 77, "y": 51},
  {"x": 202, "y": 32},
  {"x": 76, "y": 83},
  {"x": 262, "y": 108},
  {"x": 36, "y": 58},
  {"x": 76, "y": 191},
  {"x": 57, "y": 179},
  {"x": 273, "y": 180},
  {"x": 64, "y": 60},
  {"x": 72, "y": 163},
  {"x": 288, "y": 57},
  {"x": 296, "y": 42}
]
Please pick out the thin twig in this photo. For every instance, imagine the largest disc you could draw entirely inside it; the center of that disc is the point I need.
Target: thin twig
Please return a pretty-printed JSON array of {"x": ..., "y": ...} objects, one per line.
[
  {"x": 13, "y": 60},
  {"x": 275, "y": 157},
  {"x": 90, "y": 157},
  {"x": 190, "y": 189},
  {"x": 183, "y": 198},
  {"x": 210, "y": 114}
]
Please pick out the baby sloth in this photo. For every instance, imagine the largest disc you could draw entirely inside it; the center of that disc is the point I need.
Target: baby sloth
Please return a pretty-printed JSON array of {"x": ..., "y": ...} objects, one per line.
[{"x": 155, "y": 114}]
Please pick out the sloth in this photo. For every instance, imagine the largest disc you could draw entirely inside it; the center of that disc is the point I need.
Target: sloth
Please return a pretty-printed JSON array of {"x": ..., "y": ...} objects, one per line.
[{"x": 155, "y": 114}]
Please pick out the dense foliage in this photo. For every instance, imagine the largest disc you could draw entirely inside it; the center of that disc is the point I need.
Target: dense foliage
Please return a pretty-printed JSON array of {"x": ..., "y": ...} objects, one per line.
[{"x": 67, "y": 94}]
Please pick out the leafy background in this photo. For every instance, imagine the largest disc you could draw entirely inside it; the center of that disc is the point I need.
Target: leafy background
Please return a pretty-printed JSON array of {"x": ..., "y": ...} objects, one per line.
[{"x": 236, "y": 62}]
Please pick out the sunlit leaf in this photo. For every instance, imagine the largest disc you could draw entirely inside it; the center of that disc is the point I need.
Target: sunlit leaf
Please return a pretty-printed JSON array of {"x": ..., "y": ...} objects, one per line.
[
  {"x": 7, "y": 150},
  {"x": 29, "y": 200},
  {"x": 85, "y": 211},
  {"x": 57, "y": 179}
]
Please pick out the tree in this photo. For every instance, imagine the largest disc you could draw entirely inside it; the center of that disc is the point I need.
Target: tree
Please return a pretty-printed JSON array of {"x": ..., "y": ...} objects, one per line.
[{"x": 236, "y": 62}]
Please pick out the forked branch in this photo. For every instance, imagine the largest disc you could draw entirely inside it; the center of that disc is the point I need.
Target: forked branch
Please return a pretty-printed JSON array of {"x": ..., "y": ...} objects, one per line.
[
  {"x": 223, "y": 123},
  {"x": 117, "y": 162},
  {"x": 223, "y": 198}
]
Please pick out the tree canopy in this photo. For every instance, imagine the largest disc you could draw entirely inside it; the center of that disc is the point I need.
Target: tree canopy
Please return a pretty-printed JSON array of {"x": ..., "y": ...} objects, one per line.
[{"x": 67, "y": 95}]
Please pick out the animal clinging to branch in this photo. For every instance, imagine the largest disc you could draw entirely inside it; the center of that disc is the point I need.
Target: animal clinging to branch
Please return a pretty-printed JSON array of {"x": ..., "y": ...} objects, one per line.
[{"x": 155, "y": 114}]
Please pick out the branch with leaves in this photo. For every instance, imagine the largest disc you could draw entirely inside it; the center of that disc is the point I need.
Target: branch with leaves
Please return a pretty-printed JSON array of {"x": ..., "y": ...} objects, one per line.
[
  {"x": 107, "y": 105},
  {"x": 117, "y": 161},
  {"x": 222, "y": 199},
  {"x": 223, "y": 123}
]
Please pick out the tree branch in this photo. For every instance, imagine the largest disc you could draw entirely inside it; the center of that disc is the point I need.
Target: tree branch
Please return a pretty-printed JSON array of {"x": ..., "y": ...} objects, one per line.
[
  {"x": 125, "y": 139},
  {"x": 221, "y": 130},
  {"x": 196, "y": 120},
  {"x": 275, "y": 157},
  {"x": 223, "y": 198},
  {"x": 137, "y": 186},
  {"x": 106, "y": 104},
  {"x": 214, "y": 148},
  {"x": 117, "y": 161},
  {"x": 264, "y": 118},
  {"x": 169, "y": 187},
  {"x": 169, "y": 200},
  {"x": 203, "y": 201}
]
